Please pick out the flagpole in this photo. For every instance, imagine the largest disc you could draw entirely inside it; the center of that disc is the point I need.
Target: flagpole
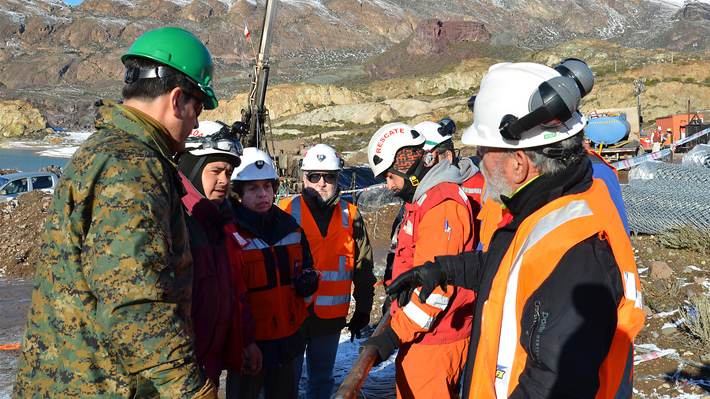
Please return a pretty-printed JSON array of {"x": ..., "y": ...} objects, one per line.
[{"x": 246, "y": 29}]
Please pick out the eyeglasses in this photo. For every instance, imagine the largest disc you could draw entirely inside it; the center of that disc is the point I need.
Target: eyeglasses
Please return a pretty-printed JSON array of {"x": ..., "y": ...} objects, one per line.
[
  {"x": 481, "y": 150},
  {"x": 315, "y": 177}
]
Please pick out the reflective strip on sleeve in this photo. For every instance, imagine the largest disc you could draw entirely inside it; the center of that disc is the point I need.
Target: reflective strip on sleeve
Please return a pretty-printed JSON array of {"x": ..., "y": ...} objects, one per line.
[
  {"x": 418, "y": 316},
  {"x": 630, "y": 291},
  {"x": 436, "y": 300}
]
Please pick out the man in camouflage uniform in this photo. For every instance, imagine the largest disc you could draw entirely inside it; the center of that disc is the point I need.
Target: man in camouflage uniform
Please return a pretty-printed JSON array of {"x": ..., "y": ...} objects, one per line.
[{"x": 110, "y": 313}]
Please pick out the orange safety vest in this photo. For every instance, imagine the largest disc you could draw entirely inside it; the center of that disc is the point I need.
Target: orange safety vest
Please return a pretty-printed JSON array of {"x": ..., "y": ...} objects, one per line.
[
  {"x": 268, "y": 272},
  {"x": 541, "y": 241},
  {"x": 333, "y": 255},
  {"x": 455, "y": 323}
]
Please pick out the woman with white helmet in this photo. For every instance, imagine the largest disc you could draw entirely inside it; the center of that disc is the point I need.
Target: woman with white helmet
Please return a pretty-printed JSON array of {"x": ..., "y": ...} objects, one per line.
[
  {"x": 278, "y": 275},
  {"x": 223, "y": 323}
]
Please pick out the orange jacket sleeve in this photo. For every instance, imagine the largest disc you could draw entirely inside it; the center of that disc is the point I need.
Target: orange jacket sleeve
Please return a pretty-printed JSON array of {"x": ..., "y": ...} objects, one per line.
[{"x": 443, "y": 230}]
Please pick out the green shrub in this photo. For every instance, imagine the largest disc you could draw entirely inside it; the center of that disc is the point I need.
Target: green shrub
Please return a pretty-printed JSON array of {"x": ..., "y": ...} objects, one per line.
[
  {"x": 697, "y": 318},
  {"x": 686, "y": 237}
]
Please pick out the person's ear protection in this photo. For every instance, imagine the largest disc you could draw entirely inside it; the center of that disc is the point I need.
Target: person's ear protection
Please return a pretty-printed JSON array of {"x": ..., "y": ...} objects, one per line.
[
  {"x": 554, "y": 102},
  {"x": 448, "y": 127}
]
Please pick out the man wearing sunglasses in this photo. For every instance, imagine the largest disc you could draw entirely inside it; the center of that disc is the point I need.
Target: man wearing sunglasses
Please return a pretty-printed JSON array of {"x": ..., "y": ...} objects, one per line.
[
  {"x": 559, "y": 300},
  {"x": 341, "y": 252},
  {"x": 110, "y": 315},
  {"x": 224, "y": 325}
]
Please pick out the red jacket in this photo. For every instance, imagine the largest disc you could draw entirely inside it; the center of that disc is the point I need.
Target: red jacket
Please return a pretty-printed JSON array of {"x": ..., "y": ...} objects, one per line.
[
  {"x": 439, "y": 223},
  {"x": 223, "y": 324}
]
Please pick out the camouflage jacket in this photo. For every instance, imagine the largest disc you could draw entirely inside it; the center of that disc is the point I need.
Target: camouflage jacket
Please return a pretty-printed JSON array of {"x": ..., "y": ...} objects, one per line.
[{"x": 110, "y": 313}]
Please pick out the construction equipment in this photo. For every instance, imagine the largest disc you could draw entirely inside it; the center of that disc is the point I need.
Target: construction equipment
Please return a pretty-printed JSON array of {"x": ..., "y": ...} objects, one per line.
[{"x": 610, "y": 133}]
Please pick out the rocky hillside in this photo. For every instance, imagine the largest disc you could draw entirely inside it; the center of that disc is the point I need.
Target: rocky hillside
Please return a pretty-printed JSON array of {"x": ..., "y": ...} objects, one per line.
[
  {"x": 74, "y": 50},
  {"x": 303, "y": 108}
]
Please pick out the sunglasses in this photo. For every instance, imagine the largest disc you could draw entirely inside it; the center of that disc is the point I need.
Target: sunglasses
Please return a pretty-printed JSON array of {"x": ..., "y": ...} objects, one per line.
[
  {"x": 315, "y": 177},
  {"x": 199, "y": 105}
]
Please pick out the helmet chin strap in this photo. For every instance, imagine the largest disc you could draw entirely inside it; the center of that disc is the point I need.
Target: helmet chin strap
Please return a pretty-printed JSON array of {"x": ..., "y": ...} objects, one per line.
[{"x": 411, "y": 179}]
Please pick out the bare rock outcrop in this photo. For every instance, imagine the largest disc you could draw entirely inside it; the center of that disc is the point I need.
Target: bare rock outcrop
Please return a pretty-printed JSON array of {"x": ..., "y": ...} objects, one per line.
[
  {"x": 19, "y": 118},
  {"x": 433, "y": 36}
]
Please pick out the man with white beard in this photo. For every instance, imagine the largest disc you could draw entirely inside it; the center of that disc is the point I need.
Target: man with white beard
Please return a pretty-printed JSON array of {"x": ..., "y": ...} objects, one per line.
[
  {"x": 559, "y": 300},
  {"x": 342, "y": 254}
]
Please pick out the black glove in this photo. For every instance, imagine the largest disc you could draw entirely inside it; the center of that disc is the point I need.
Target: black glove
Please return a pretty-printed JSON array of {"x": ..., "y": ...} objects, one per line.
[
  {"x": 385, "y": 343},
  {"x": 307, "y": 283},
  {"x": 386, "y": 305},
  {"x": 359, "y": 321},
  {"x": 428, "y": 276}
]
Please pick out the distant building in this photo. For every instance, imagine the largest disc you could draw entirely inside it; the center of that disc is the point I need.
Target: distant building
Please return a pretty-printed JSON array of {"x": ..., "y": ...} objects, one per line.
[{"x": 677, "y": 124}]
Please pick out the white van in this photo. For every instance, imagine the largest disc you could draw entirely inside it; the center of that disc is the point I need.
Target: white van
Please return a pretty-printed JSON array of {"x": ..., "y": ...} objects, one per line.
[{"x": 15, "y": 184}]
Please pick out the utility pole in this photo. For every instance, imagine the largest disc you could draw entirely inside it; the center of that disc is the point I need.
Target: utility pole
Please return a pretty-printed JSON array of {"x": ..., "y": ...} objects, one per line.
[{"x": 638, "y": 89}]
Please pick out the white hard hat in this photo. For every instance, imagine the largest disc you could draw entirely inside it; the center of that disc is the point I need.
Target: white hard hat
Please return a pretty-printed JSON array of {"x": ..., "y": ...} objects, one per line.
[
  {"x": 213, "y": 138},
  {"x": 385, "y": 143},
  {"x": 321, "y": 157},
  {"x": 256, "y": 165},
  {"x": 526, "y": 105},
  {"x": 434, "y": 133}
]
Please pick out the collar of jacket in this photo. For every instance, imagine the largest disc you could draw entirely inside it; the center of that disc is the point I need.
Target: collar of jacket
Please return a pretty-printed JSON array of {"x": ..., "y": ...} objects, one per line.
[
  {"x": 152, "y": 133},
  {"x": 204, "y": 210},
  {"x": 574, "y": 179},
  {"x": 271, "y": 226},
  {"x": 313, "y": 202}
]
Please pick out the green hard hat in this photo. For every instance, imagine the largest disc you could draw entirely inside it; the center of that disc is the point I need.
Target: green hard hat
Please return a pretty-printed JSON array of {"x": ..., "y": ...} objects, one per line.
[{"x": 181, "y": 50}]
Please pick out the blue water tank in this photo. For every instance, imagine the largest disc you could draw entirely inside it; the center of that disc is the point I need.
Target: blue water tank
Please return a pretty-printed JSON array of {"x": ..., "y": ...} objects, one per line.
[{"x": 607, "y": 129}]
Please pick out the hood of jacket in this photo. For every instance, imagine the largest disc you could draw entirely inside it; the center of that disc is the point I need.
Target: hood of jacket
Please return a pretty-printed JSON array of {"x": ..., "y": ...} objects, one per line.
[
  {"x": 442, "y": 172},
  {"x": 467, "y": 168}
]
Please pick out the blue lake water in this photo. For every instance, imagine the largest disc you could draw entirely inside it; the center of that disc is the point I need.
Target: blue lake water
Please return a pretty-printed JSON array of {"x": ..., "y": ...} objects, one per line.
[{"x": 27, "y": 160}]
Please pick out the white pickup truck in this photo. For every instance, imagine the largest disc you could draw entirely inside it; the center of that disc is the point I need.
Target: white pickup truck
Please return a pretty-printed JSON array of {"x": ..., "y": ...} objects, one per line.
[{"x": 15, "y": 184}]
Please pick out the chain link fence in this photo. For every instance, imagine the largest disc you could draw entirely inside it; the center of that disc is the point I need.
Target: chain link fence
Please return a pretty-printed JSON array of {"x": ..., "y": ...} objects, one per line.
[{"x": 661, "y": 196}]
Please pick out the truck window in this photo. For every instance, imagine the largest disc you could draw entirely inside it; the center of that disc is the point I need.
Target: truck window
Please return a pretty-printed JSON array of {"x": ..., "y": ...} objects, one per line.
[
  {"x": 39, "y": 182},
  {"x": 15, "y": 187}
]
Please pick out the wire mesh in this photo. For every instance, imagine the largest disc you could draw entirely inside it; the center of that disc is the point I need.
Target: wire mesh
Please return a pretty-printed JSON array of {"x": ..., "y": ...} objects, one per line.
[{"x": 661, "y": 196}]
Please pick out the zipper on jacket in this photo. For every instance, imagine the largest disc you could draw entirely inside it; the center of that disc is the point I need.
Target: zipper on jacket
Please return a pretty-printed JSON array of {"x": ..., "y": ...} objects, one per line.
[
  {"x": 278, "y": 281},
  {"x": 531, "y": 331}
]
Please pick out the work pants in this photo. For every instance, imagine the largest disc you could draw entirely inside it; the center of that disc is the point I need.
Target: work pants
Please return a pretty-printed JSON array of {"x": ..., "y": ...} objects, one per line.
[
  {"x": 430, "y": 371},
  {"x": 320, "y": 358},
  {"x": 277, "y": 383}
]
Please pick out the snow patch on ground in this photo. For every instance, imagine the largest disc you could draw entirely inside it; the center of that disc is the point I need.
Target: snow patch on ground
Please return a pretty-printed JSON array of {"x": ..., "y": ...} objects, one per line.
[{"x": 379, "y": 382}]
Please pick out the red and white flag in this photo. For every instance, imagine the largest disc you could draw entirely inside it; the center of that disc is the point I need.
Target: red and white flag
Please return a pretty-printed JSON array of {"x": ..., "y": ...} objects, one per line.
[{"x": 246, "y": 31}]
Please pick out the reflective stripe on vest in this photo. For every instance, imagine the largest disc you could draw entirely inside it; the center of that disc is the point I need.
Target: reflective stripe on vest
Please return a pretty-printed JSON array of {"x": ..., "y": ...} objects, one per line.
[
  {"x": 509, "y": 327},
  {"x": 258, "y": 243},
  {"x": 333, "y": 296},
  {"x": 471, "y": 190}
]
